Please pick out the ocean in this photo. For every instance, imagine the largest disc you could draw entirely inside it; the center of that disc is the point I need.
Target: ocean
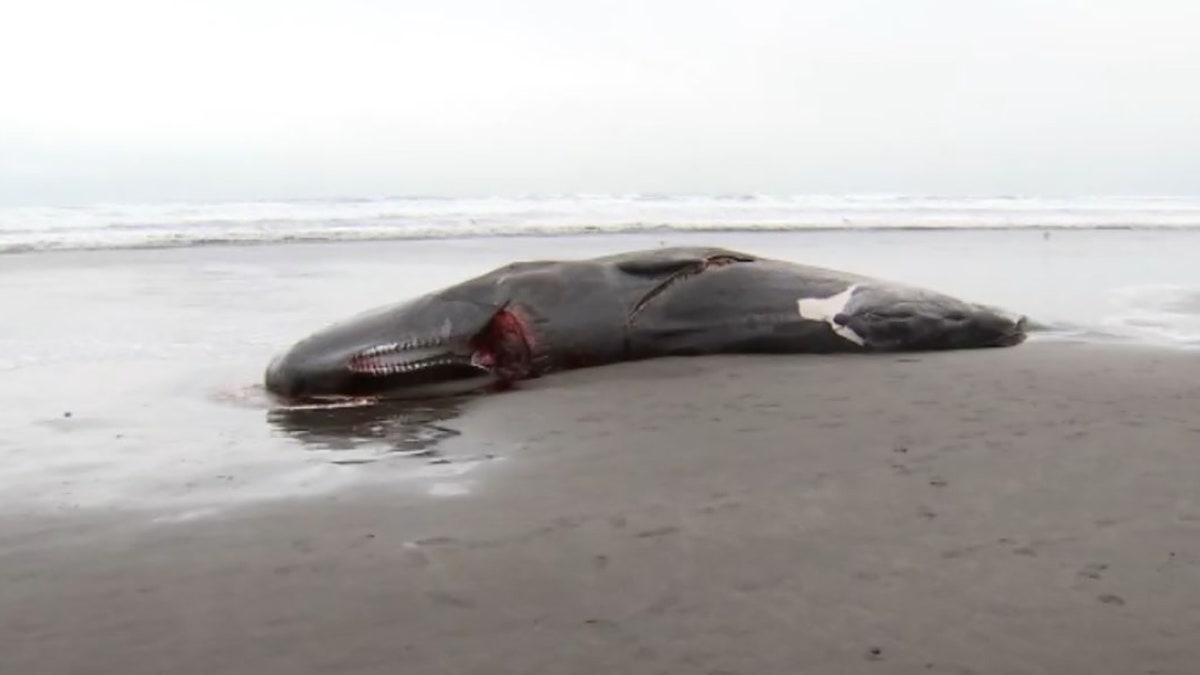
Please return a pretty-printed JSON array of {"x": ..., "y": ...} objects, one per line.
[
  {"x": 134, "y": 337},
  {"x": 179, "y": 224},
  {"x": 1116, "y": 266}
]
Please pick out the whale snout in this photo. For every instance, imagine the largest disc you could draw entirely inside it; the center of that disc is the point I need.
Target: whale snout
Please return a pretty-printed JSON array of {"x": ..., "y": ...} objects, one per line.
[
  {"x": 282, "y": 379},
  {"x": 298, "y": 376}
]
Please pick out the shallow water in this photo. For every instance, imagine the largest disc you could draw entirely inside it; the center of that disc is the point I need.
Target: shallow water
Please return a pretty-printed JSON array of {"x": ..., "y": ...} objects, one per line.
[{"x": 130, "y": 377}]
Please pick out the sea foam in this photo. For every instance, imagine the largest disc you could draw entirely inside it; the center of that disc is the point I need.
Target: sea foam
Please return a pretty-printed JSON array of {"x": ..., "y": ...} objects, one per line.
[{"x": 187, "y": 224}]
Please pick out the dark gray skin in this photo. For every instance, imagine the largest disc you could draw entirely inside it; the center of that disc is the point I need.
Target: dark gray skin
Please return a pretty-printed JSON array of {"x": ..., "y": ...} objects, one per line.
[{"x": 531, "y": 318}]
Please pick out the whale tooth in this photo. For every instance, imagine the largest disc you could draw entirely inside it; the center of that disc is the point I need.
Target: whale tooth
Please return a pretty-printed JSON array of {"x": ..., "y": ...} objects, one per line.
[{"x": 381, "y": 360}]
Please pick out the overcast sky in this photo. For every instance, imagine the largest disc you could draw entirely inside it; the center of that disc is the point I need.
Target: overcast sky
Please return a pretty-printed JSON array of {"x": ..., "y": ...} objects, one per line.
[{"x": 122, "y": 100}]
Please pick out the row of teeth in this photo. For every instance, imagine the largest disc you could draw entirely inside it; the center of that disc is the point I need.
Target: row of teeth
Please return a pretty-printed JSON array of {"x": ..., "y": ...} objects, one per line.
[
  {"x": 397, "y": 368},
  {"x": 400, "y": 346}
]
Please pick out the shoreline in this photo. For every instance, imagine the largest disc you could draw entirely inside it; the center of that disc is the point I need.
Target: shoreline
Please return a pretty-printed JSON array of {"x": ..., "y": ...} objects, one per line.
[{"x": 586, "y": 232}]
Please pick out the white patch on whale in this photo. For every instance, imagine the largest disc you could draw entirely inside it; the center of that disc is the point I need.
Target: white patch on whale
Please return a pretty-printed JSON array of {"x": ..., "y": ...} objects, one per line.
[{"x": 824, "y": 309}]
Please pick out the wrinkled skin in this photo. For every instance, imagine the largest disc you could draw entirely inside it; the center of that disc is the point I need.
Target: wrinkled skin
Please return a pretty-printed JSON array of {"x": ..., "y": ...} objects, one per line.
[{"x": 532, "y": 318}]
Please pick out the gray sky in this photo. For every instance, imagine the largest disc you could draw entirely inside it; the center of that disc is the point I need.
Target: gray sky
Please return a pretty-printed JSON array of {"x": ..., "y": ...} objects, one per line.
[{"x": 120, "y": 100}]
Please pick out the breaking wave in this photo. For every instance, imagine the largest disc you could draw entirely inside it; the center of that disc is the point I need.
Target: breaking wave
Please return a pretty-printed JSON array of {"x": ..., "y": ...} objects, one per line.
[{"x": 188, "y": 224}]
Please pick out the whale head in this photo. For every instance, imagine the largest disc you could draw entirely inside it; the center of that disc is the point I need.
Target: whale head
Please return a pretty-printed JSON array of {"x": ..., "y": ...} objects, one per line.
[{"x": 430, "y": 346}]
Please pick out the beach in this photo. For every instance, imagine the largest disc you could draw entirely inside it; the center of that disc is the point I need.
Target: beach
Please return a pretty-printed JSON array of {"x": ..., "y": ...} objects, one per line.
[
  {"x": 1022, "y": 510},
  {"x": 1030, "y": 510}
]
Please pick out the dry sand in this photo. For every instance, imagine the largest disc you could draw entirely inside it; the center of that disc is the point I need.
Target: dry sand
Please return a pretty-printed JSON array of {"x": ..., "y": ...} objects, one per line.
[{"x": 1029, "y": 510}]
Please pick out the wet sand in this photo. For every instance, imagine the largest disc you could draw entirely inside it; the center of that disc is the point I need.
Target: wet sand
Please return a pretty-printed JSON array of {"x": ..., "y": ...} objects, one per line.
[{"x": 1028, "y": 510}]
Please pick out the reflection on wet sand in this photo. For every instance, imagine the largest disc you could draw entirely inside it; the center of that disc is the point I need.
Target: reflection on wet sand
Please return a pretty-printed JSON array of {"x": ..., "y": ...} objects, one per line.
[{"x": 368, "y": 432}]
